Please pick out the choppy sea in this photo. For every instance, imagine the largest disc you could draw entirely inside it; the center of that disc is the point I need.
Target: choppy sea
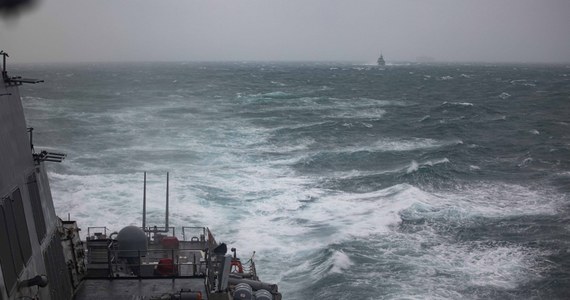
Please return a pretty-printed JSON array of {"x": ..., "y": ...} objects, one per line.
[{"x": 349, "y": 181}]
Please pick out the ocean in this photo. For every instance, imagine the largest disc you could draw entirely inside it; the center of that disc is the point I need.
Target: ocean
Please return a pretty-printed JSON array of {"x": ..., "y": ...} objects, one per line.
[{"x": 348, "y": 181}]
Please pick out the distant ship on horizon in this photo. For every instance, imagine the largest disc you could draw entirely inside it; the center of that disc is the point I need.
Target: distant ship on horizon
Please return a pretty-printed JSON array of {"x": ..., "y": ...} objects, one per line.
[{"x": 381, "y": 61}]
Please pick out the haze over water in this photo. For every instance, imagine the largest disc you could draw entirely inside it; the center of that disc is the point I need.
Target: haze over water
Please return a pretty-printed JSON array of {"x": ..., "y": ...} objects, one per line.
[{"x": 290, "y": 30}]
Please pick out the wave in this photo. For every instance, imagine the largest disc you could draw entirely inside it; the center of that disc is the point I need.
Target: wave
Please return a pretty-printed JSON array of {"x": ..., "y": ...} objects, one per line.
[
  {"x": 319, "y": 107},
  {"x": 370, "y": 114},
  {"x": 446, "y": 237},
  {"x": 386, "y": 153},
  {"x": 523, "y": 82},
  {"x": 338, "y": 177},
  {"x": 380, "y": 102},
  {"x": 456, "y": 103},
  {"x": 504, "y": 95},
  {"x": 325, "y": 262},
  {"x": 271, "y": 95},
  {"x": 322, "y": 217},
  {"x": 496, "y": 199},
  {"x": 414, "y": 166},
  {"x": 430, "y": 173},
  {"x": 278, "y": 83},
  {"x": 363, "y": 214},
  {"x": 400, "y": 145}
]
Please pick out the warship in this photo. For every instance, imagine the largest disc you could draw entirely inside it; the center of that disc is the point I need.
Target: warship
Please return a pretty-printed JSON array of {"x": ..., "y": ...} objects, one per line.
[
  {"x": 44, "y": 257},
  {"x": 381, "y": 62}
]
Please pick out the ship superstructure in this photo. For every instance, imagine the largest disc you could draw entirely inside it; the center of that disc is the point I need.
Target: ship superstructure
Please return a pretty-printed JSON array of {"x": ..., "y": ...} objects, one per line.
[
  {"x": 43, "y": 257},
  {"x": 381, "y": 62}
]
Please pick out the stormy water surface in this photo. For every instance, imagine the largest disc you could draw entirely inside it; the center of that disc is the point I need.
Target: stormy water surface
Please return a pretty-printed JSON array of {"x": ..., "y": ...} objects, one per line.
[{"x": 349, "y": 181}]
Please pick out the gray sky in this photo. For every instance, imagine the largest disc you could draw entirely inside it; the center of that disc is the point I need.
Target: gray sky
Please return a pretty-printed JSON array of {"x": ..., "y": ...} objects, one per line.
[{"x": 330, "y": 30}]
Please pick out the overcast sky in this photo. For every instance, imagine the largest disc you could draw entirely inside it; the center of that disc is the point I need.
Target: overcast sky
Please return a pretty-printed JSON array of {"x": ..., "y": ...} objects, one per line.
[{"x": 285, "y": 30}]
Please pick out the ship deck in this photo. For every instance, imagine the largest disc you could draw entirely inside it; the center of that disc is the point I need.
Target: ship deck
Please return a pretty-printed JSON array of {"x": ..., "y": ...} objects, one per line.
[{"x": 134, "y": 288}]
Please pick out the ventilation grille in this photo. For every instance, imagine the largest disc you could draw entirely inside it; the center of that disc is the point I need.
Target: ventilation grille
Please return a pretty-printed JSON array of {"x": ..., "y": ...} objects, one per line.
[{"x": 57, "y": 271}]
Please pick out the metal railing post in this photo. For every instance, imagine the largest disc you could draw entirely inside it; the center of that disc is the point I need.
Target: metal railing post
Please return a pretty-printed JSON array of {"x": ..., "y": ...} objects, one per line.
[{"x": 139, "y": 272}]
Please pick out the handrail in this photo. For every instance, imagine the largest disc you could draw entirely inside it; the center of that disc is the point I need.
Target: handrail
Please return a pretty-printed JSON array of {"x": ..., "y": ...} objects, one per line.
[
  {"x": 110, "y": 260},
  {"x": 149, "y": 260},
  {"x": 144, "y": 226},
  {"x": 104, "y": 233},
  {"x": 152, "y": 231},
  {"x": 202, "y": 236}
]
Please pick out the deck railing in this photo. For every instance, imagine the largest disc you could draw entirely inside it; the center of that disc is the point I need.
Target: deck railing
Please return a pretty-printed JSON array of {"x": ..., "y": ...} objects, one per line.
[
  {"x": 191, "y": 257},
  {"x": 156, "y": 263}
]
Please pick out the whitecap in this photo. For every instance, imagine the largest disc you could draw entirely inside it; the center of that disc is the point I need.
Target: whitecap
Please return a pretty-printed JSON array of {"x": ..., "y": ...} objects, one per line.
[
  {"x": 340, "y": 262},
  {"x": 522, "y": 82},
  {"x": 525, "y": 162},
  {"x": 493, "y": 199},
  {"x": 410, "y": 144},
  {"x": 457, "y": 103},
  {"x": 504, "y": 95},
  {"x": 435, "y": 162},
  {"x": 414, "y": 166},
  {"x": 276, "y": 94},
  {"x": 372, "y": 114},
  {"x": 502, "y": 267}
]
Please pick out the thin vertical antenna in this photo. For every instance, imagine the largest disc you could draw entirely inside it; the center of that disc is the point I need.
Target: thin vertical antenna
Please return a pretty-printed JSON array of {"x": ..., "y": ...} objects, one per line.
[
  {"x": 144, "y": 203},
  {"x": 4, "y": 54},
  {"x": 31, "y": 131},
  {"x": 166, "y": 221},
  {"x": 4, "y": 74}
]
